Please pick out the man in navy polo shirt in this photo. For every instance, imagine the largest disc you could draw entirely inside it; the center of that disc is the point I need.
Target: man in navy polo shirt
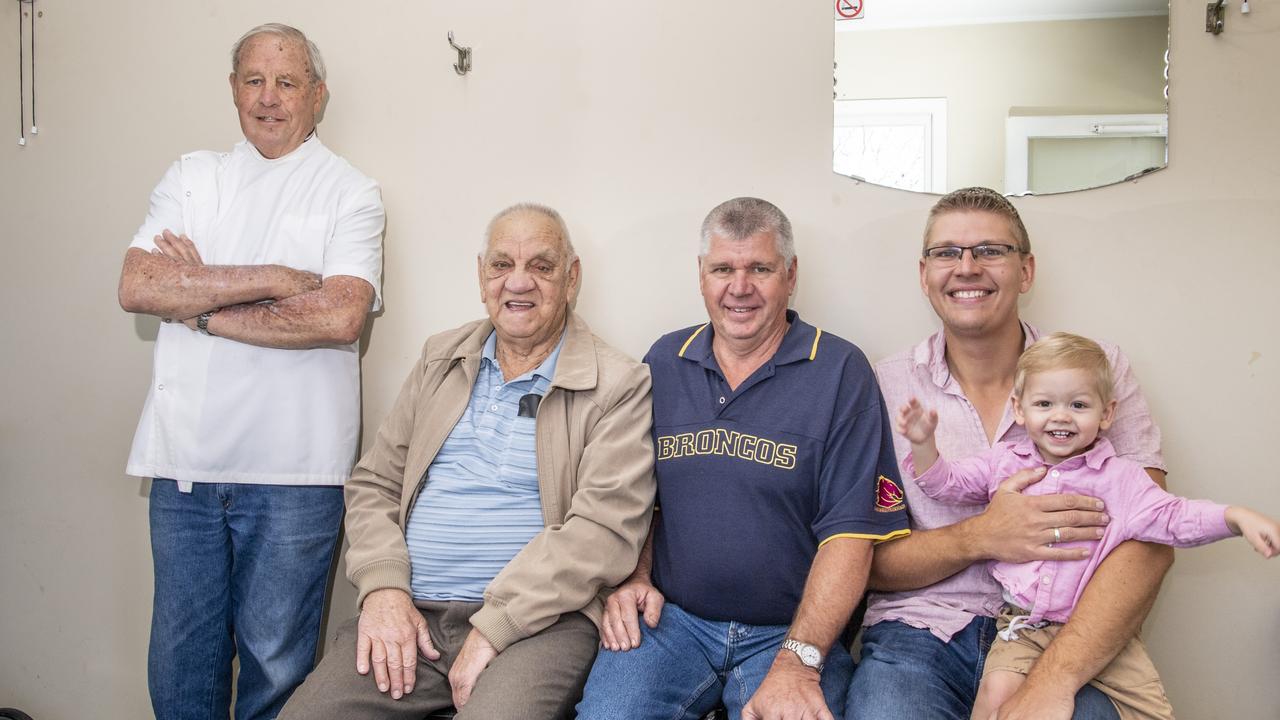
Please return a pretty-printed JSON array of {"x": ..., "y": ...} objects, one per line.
[{"x": 776, "y": 474}]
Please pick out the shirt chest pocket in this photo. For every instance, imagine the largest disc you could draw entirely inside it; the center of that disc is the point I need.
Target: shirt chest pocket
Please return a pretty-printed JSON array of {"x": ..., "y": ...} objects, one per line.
[
  {"x": 519, "y": 468},
  {"x": 300, "y": 241}
]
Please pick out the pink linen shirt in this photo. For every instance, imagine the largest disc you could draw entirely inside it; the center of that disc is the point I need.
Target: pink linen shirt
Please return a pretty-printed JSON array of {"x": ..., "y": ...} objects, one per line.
[
  {"x": 946, "y": 607},
  {"x": 1139, "y": 510}
]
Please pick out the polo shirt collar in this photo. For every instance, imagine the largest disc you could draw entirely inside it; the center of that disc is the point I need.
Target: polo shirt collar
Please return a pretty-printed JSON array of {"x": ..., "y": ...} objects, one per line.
[
  {"x": 799, "y": 343},
  {"x": 1094, "y": 457},
  {"x": 545, "y": 370},
  {"x": 931, "y": 354},
  {"x": 576, "y": 367}
]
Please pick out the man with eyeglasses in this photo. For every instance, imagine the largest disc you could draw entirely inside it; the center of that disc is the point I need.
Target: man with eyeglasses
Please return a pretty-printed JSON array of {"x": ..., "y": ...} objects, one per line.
[{"x": 930, "y": 617}]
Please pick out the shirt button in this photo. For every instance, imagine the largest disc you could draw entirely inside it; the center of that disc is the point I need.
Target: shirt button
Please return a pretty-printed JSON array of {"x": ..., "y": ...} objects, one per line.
[
  {"x": 1055, "y": 473},
  {"x": 160, "y": 386},
  {"x": 188, "y": 193},
  {"x": 493, "y": 408},
  {"x": 721, "y": 399},
  {"x": 1045, "y": 580}
]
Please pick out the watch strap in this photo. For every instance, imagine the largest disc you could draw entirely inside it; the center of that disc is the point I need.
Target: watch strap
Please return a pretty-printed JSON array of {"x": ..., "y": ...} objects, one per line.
[
  {"x": 202, "y": 322},
  {"x": 809, "y": 655}
]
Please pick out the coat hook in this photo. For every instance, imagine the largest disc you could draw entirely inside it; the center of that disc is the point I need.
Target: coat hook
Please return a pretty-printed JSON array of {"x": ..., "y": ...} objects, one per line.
[
  {"x": 463, "y": 66},
  {"x": 1214, "y": 17}
]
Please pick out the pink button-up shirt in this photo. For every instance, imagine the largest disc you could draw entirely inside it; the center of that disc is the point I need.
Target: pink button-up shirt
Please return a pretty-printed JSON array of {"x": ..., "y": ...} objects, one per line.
[
  {"x": 948, "y": 606},
  {"x": 1139, "y": 510}
]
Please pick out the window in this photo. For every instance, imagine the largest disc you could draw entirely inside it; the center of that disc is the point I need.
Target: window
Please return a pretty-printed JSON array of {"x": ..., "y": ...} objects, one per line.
[{"x": 899, "y": 143}]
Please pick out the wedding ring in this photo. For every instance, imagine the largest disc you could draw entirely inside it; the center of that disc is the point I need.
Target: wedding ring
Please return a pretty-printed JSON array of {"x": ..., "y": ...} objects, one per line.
[{"x": 1057, "y": 535}]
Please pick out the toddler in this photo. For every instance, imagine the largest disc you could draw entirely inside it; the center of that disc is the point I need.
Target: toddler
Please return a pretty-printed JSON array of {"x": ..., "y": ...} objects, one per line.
[{"x": 1062, "y": 397}]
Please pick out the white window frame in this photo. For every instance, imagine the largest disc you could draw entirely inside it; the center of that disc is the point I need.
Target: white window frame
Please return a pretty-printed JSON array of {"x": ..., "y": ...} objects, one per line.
[
  {"x": 930, "y": 113},
  {"x": 1020, "y": 131}
]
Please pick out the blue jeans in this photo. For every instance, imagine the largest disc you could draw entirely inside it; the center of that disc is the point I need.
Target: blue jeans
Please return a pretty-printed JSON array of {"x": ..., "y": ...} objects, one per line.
[
  {"x": 908, "y": 674},
  {"x": 686, "y": 666},
  {"x": 239, "y": 569}
]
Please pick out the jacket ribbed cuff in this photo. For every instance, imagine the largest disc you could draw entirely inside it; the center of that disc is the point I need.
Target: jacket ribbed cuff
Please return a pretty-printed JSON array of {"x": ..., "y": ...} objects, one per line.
[
  {"x": 497, "y": 626},
  {"x": 380, "y": 575}
]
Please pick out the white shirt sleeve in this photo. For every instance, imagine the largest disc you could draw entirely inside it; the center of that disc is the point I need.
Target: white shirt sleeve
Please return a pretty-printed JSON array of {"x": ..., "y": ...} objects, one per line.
[
  {"x": 165, "y": 212},
  {"x": 356, "y": 246}
]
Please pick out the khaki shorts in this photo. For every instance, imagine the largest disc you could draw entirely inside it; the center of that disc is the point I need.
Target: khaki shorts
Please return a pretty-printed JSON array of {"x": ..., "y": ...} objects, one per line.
[{"x": 1131, "y": 680}]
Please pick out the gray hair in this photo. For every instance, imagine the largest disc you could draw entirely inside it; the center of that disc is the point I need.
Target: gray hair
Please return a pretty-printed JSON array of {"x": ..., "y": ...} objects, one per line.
[
  {"x": 544, "y": 210},
  {"x": 315, "y": 62},
  {"x": 740, "y": 218}
]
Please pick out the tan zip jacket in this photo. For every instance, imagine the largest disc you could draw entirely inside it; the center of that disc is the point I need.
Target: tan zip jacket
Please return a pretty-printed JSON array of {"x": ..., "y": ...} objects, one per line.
[{"x": 595, "y": 478}]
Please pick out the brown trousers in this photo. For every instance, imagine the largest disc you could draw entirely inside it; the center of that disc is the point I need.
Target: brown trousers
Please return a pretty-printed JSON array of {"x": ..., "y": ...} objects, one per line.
[
  {"x": 540, "y": 677},
  {"x": 1131, "y": 680}
]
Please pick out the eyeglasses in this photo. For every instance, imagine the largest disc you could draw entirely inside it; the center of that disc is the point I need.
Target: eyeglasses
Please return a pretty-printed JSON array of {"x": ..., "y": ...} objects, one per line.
[{"x": 984, "y": 254}]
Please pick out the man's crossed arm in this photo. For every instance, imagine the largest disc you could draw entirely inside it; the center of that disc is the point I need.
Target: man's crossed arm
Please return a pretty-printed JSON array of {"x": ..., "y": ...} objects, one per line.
[{"x": 303, "y": 310}]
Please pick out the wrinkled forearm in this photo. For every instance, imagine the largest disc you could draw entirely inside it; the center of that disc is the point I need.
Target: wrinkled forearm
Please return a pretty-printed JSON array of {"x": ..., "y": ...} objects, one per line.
[
  {"x": 155, "y": 285},
  {"x": 332, "y": 315}
]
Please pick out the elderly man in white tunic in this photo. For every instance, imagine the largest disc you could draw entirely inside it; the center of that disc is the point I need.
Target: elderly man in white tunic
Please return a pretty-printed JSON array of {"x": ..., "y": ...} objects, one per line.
[{"x": 264, "y": 263}]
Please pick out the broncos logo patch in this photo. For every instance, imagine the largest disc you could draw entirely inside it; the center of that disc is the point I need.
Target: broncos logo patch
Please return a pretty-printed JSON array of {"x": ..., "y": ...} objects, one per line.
[{"x": 888, "y": 495}]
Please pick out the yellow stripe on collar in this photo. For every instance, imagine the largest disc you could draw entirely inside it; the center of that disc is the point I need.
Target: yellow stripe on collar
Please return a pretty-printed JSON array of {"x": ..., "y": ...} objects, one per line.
[
  {"x": 685, "y": 346},
  {"x": 813, "y": 352}
]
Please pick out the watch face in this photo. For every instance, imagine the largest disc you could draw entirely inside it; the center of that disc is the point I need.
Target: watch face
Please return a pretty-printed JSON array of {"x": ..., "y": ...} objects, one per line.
[{"x": 809, "y": 655}]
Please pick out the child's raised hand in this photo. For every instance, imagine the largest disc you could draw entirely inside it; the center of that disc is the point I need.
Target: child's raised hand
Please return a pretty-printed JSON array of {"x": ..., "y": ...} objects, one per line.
[
  {"x": 1262, "y": 532},
  {"x": 915, "y": 423}
]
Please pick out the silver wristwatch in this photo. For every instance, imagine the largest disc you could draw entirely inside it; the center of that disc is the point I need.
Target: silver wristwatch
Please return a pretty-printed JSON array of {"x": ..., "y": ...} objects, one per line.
[
  {"x": 202, "y": 322},
  {"x": 810, "y": 655}
]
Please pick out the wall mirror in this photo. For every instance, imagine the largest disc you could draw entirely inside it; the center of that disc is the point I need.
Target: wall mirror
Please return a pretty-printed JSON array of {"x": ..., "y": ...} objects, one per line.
[{"x": 1024, "y": 96}]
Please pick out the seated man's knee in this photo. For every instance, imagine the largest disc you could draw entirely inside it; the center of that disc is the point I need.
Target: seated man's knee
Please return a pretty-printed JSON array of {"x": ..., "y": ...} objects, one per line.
[
  {"x": 908, "y": 674},
  {"x": 667, "y": 674}
]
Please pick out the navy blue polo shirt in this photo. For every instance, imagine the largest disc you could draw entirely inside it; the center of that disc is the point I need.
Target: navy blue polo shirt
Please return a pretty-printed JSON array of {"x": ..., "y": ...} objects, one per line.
[{"x": 751, "y": 481}]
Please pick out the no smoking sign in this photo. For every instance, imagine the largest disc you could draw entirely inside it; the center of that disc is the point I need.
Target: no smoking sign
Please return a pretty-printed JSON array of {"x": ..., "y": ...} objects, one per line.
[{"x": 848, "y": 9}]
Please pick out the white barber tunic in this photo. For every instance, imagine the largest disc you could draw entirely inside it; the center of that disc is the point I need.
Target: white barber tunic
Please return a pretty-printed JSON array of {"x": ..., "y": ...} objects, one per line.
[{"x": 224, "y": 411}]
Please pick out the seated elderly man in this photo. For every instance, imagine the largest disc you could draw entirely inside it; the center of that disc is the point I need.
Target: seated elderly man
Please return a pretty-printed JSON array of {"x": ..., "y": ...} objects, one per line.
[{"x": 511, "y": 484}]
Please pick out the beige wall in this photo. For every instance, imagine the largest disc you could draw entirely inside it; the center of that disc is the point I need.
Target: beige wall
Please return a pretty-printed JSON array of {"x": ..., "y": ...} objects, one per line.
[
  {"x": 987, "y": 71},
  {"x": 633, "y": 123}
]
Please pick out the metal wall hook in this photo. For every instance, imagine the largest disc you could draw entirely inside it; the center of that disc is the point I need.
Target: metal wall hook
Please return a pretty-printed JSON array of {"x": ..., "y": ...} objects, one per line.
[
  {"x": 463, "y": 66},
  {"x": 1214, "y": 17}
]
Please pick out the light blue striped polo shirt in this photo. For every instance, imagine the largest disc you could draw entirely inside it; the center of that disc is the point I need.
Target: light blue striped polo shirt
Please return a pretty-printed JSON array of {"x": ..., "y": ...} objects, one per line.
[{"x": 480, "y": 505}]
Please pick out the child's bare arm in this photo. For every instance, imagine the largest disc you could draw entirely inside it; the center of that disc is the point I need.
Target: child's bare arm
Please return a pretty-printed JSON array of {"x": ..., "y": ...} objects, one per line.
[
  {"x": 917, "y": 425},
  {"x": 1262, "y": 532}
]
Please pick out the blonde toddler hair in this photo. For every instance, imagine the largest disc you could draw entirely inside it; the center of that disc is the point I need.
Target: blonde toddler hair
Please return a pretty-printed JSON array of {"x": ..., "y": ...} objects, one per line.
[{"x": 1064, "y": 351}]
